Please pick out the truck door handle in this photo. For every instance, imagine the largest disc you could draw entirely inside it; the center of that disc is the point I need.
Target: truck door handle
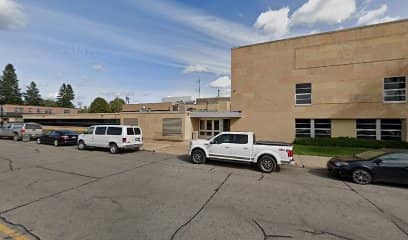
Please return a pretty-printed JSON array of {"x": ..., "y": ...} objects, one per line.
[
  {"x": 227, "y": 147},
  {"x": 245, "y": 148}
]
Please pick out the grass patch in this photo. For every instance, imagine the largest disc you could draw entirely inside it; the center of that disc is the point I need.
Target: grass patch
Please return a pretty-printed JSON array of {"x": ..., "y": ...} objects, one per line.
[{"x": 327, "y": 151}]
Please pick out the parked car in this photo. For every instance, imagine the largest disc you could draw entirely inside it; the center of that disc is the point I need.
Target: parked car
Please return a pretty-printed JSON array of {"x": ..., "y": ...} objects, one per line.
[
  {"x": 372, "y": 166},
  {"x": 17, "y": 131},
  {"x": 242, "y": 147},
  {"x": 59, "y": 138},
  {"x": 113, "y": 137}
]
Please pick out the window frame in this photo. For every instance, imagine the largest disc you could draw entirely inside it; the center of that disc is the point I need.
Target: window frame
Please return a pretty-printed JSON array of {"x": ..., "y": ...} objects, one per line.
[
  {"x": 96, "y": 128},
  {"x": 405, "y": 89},
  {"x": 298, "y": 94},
  {"x": 110, "y": 128},
  {"x": 379, "y": 130},
  {"x": 312, "y": 128}
]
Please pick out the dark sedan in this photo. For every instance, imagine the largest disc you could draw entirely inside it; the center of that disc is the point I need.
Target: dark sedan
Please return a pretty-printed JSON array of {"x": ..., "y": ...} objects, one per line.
[
  {"x": 58, "y": 138},
  {"x": 373, "y": 166}
]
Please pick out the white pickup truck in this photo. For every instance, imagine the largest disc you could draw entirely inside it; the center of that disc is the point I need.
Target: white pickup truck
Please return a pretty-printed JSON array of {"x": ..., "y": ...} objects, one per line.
[{"x": 242, "y": 147}]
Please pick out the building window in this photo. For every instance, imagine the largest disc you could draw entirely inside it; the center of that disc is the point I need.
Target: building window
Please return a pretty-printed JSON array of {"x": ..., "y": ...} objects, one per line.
[
  {"x": 172, "y": 126},
  {"x": 384, "y": 129},
  {"x": 210, "y": 127},
  {"x": 395, "y": 89},
  {"x": 67, "y": 111},
  {"x": 38, "y": 110},
  {"x": 303, "y": 93},
  {"x": 48, "y": 111},
  {"x": 313, "y": 128}
]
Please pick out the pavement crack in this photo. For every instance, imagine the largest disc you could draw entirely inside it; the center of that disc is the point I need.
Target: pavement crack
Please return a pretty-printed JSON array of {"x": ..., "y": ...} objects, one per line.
[
  {"x": 394, "y": 220},
  {"x": 10, "y": 163},
  {"x": 314, "y": 233},
  {"x": 269, "y": 236},
  {"x": 21, "y": 226},
  {"x": 66, "y": 172},
  {"x": 261, "y": 177},
  {"x": 201, "y": 208}
]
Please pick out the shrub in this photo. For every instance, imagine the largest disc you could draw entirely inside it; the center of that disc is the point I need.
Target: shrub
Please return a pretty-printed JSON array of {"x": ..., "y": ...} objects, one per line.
[{"x": 350, "y": 142}]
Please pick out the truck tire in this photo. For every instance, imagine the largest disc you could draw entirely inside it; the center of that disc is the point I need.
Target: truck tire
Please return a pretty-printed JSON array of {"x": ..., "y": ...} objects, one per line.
[
  {"x": 113, "y": 148},
  {"x": 15, "y": 137},
  {"x": 267, "y": 164},
  {"x": 198, "y": 156},
  {"x": 81, "y": 145}
]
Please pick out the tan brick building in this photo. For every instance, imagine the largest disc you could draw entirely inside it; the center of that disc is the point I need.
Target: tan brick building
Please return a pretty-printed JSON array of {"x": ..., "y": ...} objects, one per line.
[{"x": 346, "y": 83}]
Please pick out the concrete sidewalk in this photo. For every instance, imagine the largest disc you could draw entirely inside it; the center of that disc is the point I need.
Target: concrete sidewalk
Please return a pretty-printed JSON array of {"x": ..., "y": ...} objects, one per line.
[{"x": 181, "y": 148}]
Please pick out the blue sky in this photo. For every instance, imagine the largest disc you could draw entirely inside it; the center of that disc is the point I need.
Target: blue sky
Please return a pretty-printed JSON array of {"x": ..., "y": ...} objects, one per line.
[{"x": 149, "y": 49}]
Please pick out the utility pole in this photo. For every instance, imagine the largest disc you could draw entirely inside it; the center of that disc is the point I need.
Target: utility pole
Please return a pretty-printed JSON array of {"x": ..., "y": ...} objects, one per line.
[
  {"x": 218, "y": 92},
  {"x": 199, "y": 87}
]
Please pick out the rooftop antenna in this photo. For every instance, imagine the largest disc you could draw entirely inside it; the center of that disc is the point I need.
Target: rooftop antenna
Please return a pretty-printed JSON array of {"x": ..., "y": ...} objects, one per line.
[
  {"x": 127, "y": 99},
  {"x": 199, "y": 87},
  {"x": 218, "y": 92}
]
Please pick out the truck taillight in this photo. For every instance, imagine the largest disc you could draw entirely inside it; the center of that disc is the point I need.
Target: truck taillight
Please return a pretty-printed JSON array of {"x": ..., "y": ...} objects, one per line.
[
  {"x": 64, "y": 137},
  {"x": 22, "y": 130},
  {"x": 124, "y": 140},
  {"x": 290, "y": 153}
]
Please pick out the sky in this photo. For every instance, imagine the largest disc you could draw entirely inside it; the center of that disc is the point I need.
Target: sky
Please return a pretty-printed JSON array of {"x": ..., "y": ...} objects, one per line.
[{"x": 150, "y": 49}]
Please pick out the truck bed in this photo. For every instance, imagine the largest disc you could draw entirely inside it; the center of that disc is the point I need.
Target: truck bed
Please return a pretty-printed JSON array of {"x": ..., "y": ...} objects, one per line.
[{"x": 273, "y": 143}]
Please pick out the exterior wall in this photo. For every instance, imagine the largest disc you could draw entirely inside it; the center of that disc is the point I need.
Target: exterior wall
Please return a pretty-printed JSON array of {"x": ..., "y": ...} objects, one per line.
[
  {"x": 346, "y": 69},
  {"x": 27, "y": 109},
  {"x": 74, "y": 116},
  {"x": 343, "y": 128},
  {"x": 152, "y": 124},
  {"x": 165, "y": 106}
]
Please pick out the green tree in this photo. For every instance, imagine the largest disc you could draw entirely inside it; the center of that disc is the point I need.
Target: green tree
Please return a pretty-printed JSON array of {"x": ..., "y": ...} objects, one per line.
[
  {"x": 49, "y": 103},
  {"x": 85, "y": 109},
  {"x": 66, "y": 96},
  {"x": 116, "y": 105},
  {"x": 9, "y": 89},
  {"x": 99, "y": 105},
  {"x": 32, "y": 95}
]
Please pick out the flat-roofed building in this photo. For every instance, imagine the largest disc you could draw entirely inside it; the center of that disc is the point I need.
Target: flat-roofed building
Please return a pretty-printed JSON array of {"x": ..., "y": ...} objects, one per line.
[{"x": 348, "y": 83}]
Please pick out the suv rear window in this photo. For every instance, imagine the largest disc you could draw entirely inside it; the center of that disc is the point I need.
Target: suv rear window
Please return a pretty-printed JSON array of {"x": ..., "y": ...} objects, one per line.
[
  {"x": 114, "y": 131},
  {"x": 130, "y": 131},
  {"x": 137, "y": 131},
  {"x": 100, "y": 131}
]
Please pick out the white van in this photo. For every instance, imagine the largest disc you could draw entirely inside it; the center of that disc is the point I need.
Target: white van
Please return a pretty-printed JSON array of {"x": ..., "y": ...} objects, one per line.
[{"x": 114, "y": 137}]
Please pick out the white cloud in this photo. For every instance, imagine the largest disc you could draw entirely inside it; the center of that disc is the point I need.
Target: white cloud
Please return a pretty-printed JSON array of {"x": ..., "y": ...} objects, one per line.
[
  {"x": 274, "y": 22},
  {"x": 98, "y": 67},
  {"x": 11, "y": 15},
  {"x": 375, "y": 16},
  {"x": 196, "y": 68},
  {"x": 221, "y": 82},
  {"x": 324, "y": 11}
]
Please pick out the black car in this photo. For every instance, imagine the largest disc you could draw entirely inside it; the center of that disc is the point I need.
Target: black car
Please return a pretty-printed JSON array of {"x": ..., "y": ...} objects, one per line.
[
  {"x": 372, "y": 166},
  {"x": 58, "y": 138}
]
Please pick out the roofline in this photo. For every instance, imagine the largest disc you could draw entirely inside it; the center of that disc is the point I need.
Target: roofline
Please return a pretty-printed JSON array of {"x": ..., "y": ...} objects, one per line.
[{"x": 322, "y": 33}]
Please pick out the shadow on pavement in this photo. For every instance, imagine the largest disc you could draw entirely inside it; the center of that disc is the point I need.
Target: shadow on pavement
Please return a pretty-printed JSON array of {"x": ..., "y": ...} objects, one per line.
[{"x": 227, "y": 164}]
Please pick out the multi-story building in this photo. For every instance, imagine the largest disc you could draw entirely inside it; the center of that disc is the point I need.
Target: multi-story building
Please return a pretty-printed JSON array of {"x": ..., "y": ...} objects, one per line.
[{"x": 348, "y": 83}]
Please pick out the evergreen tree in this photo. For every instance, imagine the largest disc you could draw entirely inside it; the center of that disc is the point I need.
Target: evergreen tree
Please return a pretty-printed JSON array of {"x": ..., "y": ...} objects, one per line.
[
  {"x": 49, "y": 103},
  {"x": 116, "y": 105},
  {"x": 99, "y": 105},
  {"x": 9, "y": 89},
  {"x": 32, "y": 95},
  {"x": 65, "y": 96}
]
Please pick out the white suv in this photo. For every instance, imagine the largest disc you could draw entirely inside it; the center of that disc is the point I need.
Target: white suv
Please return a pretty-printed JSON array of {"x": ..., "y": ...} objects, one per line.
[{"x": 114, "y": 137}]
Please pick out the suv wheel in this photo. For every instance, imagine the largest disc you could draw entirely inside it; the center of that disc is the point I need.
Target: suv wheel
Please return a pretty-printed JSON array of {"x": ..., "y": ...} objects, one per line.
[
  {"x": 361, "y": 176},
  {"x": 198, "y": 156},
  {"x": 267, "y": 164},
  {"x": 113, "y": 148},
  {"x": 81, "y": 145}
]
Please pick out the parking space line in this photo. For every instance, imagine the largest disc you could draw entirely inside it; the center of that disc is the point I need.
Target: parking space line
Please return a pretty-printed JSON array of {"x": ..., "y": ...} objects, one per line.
[{"x": 12, "y": 233}]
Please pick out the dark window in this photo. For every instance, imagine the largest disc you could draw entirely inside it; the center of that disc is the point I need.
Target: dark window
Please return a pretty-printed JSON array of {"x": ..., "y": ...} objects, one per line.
[
  {"x": 130, "y": 131},
  {"x": 366, "y": 128},
  {"x": 137, "y": 131},
  {"x": 32, "y": 126},
  {"x": 322, "y": 128},
  {"x": 216, "y": 124},
  {"x": 394, "y": 89},
  {"x": 224, "y": 138},
  {"x": 114, "y": 131},
  {"x": 240, "y": 139},
  {"x": 100, "y": 131},
  {"x": 391, "y": 129},
  {"x": 303, "y": 93},
  {"x": 396, "y": 159},
  {"x": 90, "y": 130},
  {"x": 303, "y": 128},
  {"x": 172, "y": 126}
]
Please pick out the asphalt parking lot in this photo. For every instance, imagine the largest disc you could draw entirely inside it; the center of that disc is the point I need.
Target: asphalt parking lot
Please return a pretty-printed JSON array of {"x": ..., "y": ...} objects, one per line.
[{"x": 62, "y": 193}]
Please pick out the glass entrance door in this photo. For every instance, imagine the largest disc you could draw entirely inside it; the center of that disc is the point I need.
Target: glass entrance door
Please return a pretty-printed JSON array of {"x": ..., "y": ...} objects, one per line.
[{"x": 210, "y": 127}]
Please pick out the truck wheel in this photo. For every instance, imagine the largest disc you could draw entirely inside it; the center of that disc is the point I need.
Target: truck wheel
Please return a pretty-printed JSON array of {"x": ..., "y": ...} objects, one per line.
[
  {"x": 198, "y": 156},
  {"x": 267, "y": 164},
  {"x": 15, "y": 137},
  {"x": 81, "y": 145},
  {"x": 113, "y": 148}
]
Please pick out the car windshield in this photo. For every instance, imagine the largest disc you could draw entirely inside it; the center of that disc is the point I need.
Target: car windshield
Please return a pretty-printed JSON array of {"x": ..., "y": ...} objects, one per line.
[{"x": 370, "y": 154}]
